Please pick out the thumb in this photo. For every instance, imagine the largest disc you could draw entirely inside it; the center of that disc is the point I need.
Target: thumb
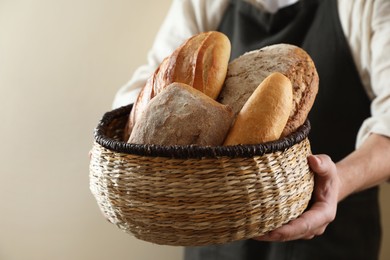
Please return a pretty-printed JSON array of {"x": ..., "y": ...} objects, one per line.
[{"x": 320, "y": 164}]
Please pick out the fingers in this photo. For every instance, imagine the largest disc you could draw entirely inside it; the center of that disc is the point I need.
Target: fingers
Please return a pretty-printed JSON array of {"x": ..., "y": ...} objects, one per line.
[
  {"x": 310, "y": 224},
  {"x": 323, "y": 210}
]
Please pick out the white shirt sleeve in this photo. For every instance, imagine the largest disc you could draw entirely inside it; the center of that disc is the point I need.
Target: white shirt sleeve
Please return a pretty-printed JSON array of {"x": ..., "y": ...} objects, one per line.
[
  {"x": 366, "y": 24},
  {"x": 184, "y": 19}
]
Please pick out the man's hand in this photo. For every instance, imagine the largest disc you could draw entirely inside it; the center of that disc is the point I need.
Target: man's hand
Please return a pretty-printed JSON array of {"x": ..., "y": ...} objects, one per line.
[{"x": 314, "y": 221}]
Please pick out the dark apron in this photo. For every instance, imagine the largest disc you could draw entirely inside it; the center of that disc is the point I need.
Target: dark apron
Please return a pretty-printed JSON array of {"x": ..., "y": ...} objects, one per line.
[{"x": 338, "y": 112}]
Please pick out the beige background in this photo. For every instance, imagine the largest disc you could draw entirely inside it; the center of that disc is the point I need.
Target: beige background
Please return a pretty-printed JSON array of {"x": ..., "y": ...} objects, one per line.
[{"x": 61, "y": 63}]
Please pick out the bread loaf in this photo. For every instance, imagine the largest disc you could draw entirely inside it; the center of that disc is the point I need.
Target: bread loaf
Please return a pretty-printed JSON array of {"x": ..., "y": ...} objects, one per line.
[
  {"x": 246, "y": 72},
  {"x": 265, "y": 114},
  {"x": 200, "y": 62},
  {"x": 182, "y": 115}
]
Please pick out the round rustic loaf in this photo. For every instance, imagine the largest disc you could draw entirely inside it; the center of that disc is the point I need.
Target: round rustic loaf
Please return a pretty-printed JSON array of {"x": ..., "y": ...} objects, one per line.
[{"x": 246, "y": 72}]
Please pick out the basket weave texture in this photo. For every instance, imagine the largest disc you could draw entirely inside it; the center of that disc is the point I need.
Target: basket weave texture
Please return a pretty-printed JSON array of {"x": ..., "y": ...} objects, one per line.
[{"x": 192, "y": 196}]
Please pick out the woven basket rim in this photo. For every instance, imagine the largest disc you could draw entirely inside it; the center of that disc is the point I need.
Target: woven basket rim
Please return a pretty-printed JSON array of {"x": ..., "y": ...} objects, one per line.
[{"x": 190, "y": 151}]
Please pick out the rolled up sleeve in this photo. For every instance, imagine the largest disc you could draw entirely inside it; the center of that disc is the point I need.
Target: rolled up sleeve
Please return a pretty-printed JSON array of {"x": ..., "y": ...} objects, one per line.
[{"x": 379, "y": 122}]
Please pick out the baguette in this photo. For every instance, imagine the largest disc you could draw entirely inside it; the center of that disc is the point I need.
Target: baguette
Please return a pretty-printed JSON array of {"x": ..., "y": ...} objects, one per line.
[{"x": 265, "y": 114}]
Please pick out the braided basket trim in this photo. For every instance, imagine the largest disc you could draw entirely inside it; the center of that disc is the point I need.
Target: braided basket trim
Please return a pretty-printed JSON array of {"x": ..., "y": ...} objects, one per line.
[{"x": 109, "y": 130}]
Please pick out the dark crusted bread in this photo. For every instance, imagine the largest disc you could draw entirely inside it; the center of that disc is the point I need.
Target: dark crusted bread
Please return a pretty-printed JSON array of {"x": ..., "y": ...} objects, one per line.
[
  {"x": 246, "y": 72},
  {"x": 182, "y": 115}
]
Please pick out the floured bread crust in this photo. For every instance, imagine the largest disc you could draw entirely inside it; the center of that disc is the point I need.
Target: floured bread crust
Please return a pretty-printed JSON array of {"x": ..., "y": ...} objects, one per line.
[{"x": 182, "y": 115}]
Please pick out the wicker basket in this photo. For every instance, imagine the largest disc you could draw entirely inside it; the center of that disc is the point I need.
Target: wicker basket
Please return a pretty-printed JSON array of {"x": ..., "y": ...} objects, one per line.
[{"x": 192, "y": 195}]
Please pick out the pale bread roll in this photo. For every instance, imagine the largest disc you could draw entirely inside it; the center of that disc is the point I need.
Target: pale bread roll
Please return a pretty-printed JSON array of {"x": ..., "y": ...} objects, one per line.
[
  {"x": 201, "y": 62},
  {"x": 265, "y": 114},
  {"x": 182, "y": 115},
  {"x": 246, "y": 72}
]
